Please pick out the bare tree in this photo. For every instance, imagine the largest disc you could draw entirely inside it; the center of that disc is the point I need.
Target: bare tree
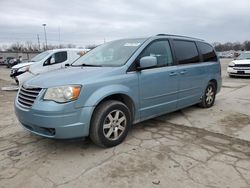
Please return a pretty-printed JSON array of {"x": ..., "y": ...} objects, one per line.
[
  {"x": 247, "y": 45},
  {"x": 237, "y": 46}
]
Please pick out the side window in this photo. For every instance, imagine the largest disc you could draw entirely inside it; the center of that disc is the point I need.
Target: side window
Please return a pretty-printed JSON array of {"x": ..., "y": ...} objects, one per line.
[
  {"x": 186, "y": 52},
  {"x": 60, "y": 57},
  {"x": 161, "y": 50},
  {"x": 207, "y": 51}
]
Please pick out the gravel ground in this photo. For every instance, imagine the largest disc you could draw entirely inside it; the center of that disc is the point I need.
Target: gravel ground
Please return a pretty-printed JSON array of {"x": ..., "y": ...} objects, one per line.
[{"x": 193, "y": 147}]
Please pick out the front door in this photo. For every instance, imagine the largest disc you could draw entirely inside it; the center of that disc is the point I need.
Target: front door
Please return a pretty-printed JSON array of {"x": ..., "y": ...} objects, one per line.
[{"x": 158, "y": 85}]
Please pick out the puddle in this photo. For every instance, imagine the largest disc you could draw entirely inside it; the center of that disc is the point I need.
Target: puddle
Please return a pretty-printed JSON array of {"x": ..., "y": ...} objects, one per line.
[
  {"x": 235, "y": 119},
  {"x": 235, "y": 122}
]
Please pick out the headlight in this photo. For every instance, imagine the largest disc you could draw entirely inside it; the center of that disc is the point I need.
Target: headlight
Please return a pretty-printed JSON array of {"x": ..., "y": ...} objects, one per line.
[
  {"x": 23, "y": 69},
  {"x": 231, "y": 64},
  {"x": 62, "y": 94}
]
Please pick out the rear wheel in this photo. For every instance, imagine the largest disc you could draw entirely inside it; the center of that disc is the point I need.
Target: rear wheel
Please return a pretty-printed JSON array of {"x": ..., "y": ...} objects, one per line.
[
  {"x": 209, "y": 96},
  {"x": 110, "y": 123}
]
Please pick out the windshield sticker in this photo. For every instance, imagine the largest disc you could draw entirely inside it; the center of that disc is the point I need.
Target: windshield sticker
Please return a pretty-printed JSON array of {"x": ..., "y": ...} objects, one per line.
[{"x": 132, "y": 44}]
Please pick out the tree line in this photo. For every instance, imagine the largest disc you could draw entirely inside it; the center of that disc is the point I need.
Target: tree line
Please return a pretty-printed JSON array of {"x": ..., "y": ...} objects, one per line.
[
  {"x": 31, "y": 47},
  {"x": 237, "y": 46}
]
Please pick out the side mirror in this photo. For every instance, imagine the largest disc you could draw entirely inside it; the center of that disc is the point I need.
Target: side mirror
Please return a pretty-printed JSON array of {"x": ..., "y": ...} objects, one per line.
[
  {"x": 67, "y": 65},
  {"x": 147, "y": 62},
  {"x": 52, "y": 60}
]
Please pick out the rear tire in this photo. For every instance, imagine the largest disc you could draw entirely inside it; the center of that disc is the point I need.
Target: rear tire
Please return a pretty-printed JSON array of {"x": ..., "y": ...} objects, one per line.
[
  {"x": 110, "y": 123},
  {"x": 208, "y": 97}
]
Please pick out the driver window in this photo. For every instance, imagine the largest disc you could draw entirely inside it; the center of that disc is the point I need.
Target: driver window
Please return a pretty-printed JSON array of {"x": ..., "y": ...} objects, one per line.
[
  {"x": 161, "y": 50},
  {"x": 57, "y": 57},
  {"x": 60, "y": 57}
]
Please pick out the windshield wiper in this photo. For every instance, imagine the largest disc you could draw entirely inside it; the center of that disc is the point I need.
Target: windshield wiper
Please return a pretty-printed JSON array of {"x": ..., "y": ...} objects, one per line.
[{"x": 89, "y": 65}]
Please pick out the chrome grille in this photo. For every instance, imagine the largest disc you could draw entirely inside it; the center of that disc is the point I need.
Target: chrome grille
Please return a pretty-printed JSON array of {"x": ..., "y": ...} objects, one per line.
[
  {"x": 242, "y": 67},
  {"x": 27, "y": 96}
]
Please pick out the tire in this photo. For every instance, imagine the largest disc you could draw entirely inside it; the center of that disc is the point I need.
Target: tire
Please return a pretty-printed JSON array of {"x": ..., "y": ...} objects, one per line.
[
  {"x": 110, "y": 123},
  {"x": 209, "y": 95}
]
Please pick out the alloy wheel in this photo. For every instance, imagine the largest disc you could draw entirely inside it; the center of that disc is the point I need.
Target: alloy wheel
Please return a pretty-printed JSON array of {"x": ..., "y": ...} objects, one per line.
[{"x": 114, "y": 125}]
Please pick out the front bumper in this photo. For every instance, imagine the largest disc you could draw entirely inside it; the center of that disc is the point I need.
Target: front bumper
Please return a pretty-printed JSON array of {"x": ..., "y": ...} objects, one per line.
[
  {"x": 52, "y": 120},
  {"x": 238, "y": 71}
]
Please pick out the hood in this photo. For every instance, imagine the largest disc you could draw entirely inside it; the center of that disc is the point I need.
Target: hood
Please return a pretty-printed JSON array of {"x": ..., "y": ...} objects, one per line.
[
  {"x": 70, "y": 75},
  {"x": 244, "y": 61},
  {"x": 22, "y": 65}
]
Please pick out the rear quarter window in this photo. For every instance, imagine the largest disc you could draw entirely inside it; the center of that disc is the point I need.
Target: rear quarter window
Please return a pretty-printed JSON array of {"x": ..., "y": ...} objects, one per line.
[
  {"x": 186, "y": 52},
  {"x": 207, "y": 52}
]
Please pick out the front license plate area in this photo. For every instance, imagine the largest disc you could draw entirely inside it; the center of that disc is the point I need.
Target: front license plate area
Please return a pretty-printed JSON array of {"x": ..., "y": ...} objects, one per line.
[{"x": 241, "y": 72}]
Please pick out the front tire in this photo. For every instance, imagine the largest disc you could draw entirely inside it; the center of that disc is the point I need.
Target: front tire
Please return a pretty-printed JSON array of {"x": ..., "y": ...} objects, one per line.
[
  {"x": 110, "y": 123},
  {"x": 209, "y": 96}
]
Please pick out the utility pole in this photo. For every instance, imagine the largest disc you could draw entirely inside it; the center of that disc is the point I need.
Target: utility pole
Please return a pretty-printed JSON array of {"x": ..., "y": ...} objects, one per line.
[
  {"x": 59, "y": 35},
  {"x": 45, "y": 35},
  {"x": 38, "y": 40}
]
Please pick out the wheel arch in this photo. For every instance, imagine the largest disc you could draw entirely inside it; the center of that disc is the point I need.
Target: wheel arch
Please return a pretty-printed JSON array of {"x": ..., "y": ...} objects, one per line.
[
  {"x": 214, "y": 81},
  {"x": 124, "y": 98}
]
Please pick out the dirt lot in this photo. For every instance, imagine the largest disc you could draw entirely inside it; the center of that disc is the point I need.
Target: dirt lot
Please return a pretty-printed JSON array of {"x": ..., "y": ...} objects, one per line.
[{"x": 190, "y": 148}]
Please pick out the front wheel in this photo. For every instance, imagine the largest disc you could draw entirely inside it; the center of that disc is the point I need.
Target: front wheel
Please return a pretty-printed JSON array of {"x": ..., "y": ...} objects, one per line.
[
  {"x": 110, "y": 123},
  {"x": 209, "y": 96}
]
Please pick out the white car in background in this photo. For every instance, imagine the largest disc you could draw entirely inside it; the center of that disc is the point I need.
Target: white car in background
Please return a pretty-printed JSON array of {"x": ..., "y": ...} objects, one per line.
[
  {"x": 46, "y": 61},
  {"x": 240, "y": 66}
]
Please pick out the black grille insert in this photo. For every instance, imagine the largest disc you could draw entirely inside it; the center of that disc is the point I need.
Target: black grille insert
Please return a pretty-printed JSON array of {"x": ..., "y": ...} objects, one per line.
[{"x": 27, "y": 96}]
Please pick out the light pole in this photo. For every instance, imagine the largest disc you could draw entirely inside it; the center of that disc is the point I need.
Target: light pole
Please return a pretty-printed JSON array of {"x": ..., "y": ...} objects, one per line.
[{"x": 45, "y": 35}]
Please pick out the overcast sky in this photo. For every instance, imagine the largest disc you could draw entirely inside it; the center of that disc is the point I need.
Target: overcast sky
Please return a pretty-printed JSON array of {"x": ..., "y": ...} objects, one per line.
[{"x": 83, "y": 22}]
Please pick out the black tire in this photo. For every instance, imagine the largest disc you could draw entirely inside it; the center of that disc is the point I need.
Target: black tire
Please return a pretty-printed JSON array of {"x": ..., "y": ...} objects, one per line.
[
  {"x": 206, "y": 102},
  {"x": 99, "y": 134}
]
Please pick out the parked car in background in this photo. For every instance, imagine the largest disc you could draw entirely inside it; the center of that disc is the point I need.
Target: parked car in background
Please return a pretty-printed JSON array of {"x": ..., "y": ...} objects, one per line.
[
  {"x": 14, "y": 62},
  {"x": 44, "y": 62},
  {"x": 8, "y": 61},
  {"x": 1, "y": 61},
  {"x": 240, "y": 66},
  {"x": 117, "y": 84}
]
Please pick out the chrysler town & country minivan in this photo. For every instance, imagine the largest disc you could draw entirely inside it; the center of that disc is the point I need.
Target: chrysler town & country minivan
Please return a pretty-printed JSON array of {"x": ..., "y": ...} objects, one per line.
[{"x": 118, "y": 84}]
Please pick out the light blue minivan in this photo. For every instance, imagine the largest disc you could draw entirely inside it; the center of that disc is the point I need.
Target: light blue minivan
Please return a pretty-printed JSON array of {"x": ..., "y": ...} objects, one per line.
[{"x": 118, "y": 84}]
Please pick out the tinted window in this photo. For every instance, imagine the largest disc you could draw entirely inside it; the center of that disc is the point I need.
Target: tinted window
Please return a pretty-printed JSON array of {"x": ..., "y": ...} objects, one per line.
[
  {"x": 60, "y": 57},
  {"x": 207, "y": 52},
  {"x": 186, "y": 52},
  {"x": 161, "y": 50}
]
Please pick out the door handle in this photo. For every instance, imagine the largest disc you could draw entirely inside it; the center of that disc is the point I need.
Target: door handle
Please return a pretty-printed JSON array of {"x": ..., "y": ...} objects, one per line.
[
  {"x": 183, "y": 72},
  {"x": 172, "y": 74}
]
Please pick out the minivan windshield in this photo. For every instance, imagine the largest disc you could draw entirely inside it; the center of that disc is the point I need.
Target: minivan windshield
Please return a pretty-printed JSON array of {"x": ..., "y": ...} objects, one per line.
[
  {"x": 40, "y": 56},
  {"x": 115, "y": 53},
  {"x": 245, "y": 55}
]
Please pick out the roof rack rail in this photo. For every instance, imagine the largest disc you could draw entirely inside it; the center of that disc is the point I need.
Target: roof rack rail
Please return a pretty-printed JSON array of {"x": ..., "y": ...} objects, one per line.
[{"x": 170, "y": 35}]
